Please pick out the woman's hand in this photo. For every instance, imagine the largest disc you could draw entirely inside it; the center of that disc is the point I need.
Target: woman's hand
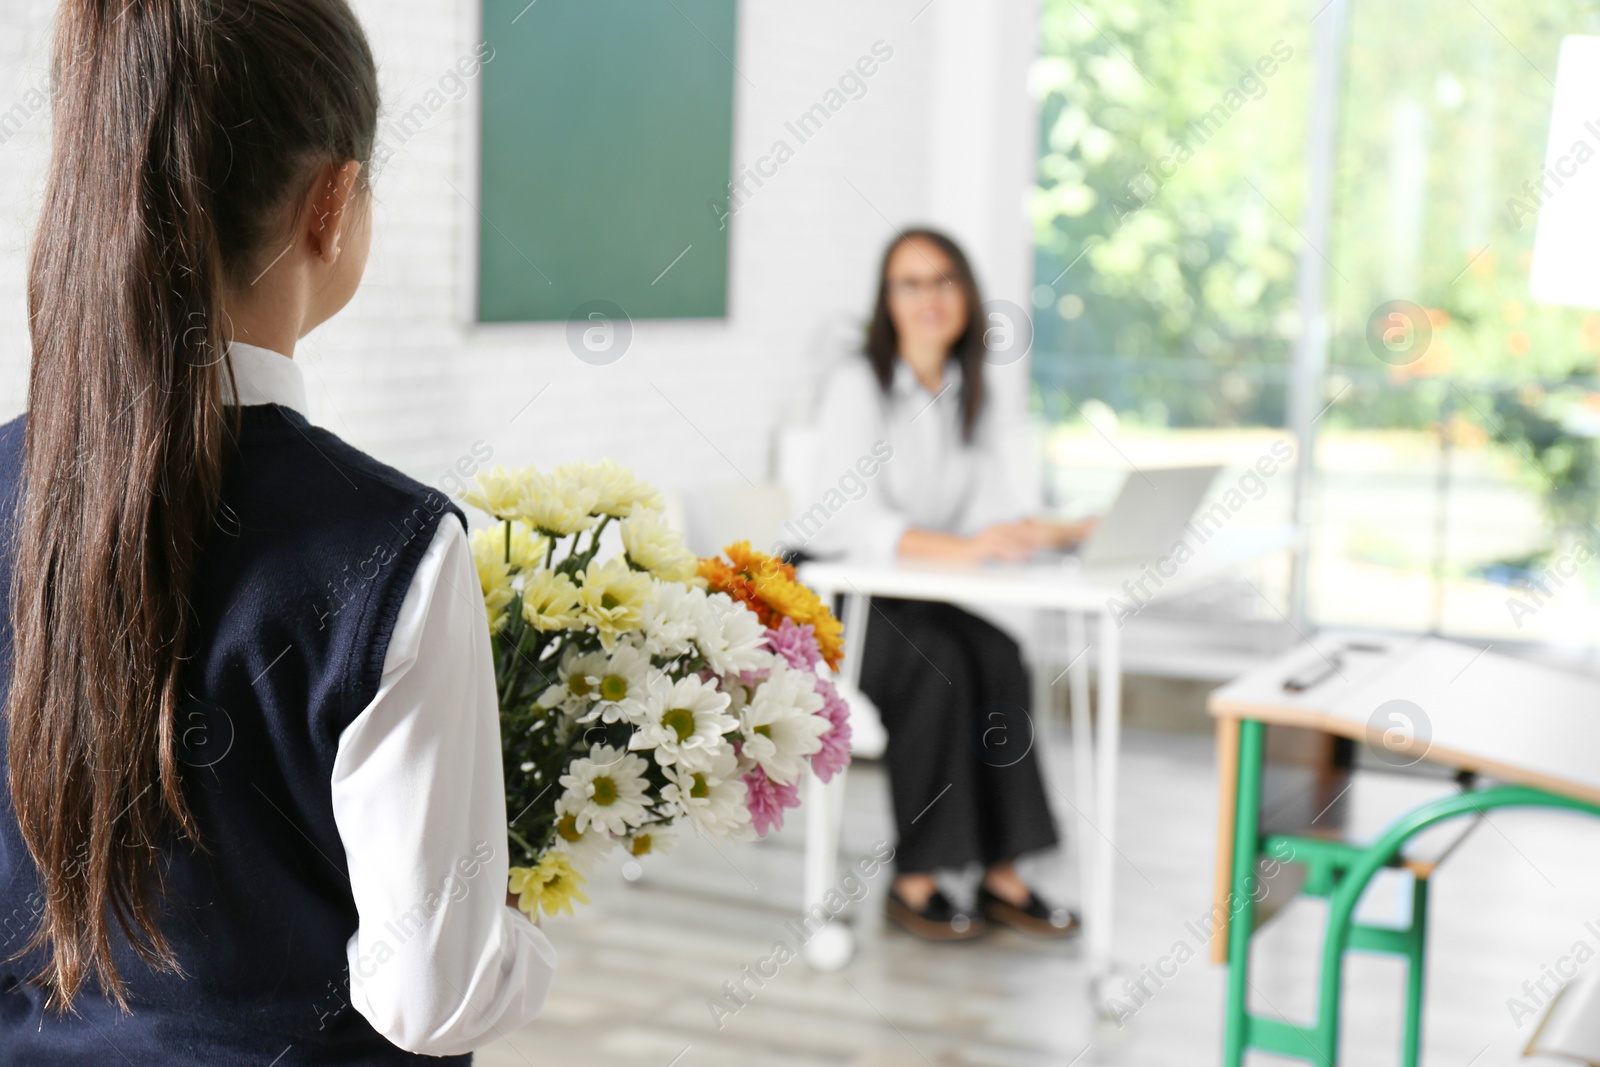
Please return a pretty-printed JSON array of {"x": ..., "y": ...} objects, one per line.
[
  {"x": 1003, "y": 541},
  {"x": 1006, "y": 542},
  {"x": 1047, "y": 533}
]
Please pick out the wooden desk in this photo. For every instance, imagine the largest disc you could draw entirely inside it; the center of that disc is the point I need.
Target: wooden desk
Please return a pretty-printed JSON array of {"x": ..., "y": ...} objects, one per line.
[{"x": 1407, "y": 700}]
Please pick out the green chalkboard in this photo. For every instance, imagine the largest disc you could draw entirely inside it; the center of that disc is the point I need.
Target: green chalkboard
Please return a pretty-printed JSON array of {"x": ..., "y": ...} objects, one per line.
[{"x": 607, "y": 141}]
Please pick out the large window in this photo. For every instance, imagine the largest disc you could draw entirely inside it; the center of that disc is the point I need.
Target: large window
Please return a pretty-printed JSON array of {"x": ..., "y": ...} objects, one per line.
[
  {"x": 1456, "y": 460},
  {"x": 1452, "y": 473}
]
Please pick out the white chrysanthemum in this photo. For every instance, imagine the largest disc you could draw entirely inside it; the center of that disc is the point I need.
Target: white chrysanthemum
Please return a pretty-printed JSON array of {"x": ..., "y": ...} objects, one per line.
[
  {"x": 549, "y": 600},
  {"x": 667, "y": 622},
  {"x": 738, "y": 695},
  {"x": 621, "y": 687},
  {"x": 607, "y": 791},
  {"x": 494, "y": 578},
  {"x": 498, "y": 491},
  {"x": 654, "y": 546},
  {"x": 781, "y": 724},
  {"x": 580, "y": 677},
  {"x": 652, "y": 840},
  {"x": 612, "y": 597},
  {"x": 730, "y": 636},
  {"x": 586, "y": 847},
  {"x": 618, "y": 491},
  {"x": 557, "y": 504},
  {"x": 684, "y": 721},
  {"x": 711, "y": 798}
]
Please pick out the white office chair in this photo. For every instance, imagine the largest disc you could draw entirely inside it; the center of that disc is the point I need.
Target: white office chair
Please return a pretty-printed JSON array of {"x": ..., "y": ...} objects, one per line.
[{"x": 718, "y": 515}]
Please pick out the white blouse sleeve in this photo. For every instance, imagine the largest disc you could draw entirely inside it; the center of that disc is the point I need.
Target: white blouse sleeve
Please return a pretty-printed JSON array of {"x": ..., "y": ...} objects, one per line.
[
  {"x": 849, "y": 514},
  {"x": 439, "y": 964}
]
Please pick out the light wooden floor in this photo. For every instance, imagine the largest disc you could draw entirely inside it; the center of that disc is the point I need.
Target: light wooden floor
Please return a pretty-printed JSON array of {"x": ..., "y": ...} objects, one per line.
[{"x": 639, "y": 965}]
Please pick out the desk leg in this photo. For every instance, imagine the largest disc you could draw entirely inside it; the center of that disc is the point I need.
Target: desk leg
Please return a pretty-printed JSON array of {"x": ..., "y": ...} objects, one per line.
[
  {"x": 1082, "y": 759},
  {"x": 1240, "y": 902},
  {"x": 1109, "y": 733},
  {"x": 831, "y": 946}
]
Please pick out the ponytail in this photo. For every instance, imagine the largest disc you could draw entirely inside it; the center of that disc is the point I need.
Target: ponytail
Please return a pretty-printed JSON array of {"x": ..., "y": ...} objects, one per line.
[{"x": 182, "y": 129}]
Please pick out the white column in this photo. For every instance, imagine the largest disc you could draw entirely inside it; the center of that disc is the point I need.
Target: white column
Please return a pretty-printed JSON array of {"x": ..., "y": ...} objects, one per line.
[{"x": 983, "y": 150}]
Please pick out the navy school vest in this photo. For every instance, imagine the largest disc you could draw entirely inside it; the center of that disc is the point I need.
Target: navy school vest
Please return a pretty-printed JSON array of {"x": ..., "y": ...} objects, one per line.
[{"x": 297, "y": 594}]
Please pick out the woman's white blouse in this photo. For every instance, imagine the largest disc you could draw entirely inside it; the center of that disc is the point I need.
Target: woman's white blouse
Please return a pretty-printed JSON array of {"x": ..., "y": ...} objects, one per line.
[
  {"x": 931, "y": 478},
  {"x": 439, "y": 964}
]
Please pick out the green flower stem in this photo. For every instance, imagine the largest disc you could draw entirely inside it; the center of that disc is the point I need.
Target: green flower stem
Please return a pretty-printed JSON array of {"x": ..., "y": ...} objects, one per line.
[
  {"x": 522, "y": 843},
  {"x": 584, "y": 558},
  {"x": 534, "y": 736},
  {"x": 513, "y": 639}
]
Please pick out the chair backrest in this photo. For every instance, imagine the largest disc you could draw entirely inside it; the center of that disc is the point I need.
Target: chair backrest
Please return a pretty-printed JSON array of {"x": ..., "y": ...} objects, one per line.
[
  {"x": 796, "y": 447},
  {"x": 718, "y": 515}
]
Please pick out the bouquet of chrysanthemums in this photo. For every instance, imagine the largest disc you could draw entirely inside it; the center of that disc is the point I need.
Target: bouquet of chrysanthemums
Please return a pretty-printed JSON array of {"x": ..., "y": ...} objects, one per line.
[{"x": 647, "y": 690}]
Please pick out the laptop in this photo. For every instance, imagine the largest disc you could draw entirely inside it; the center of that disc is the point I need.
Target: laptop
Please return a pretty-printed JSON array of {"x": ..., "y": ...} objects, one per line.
[{"x": 1148, "y": 516}]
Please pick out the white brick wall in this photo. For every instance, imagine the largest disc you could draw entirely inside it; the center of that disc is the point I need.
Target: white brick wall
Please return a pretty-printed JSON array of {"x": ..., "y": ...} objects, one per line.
[{"x": 944, "y": 134}]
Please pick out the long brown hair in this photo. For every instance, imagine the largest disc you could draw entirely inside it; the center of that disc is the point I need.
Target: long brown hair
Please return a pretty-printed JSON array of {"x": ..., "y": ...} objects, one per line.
[
  {"x": 184, "y": 130},
  {"x": 883, "y": 341}
]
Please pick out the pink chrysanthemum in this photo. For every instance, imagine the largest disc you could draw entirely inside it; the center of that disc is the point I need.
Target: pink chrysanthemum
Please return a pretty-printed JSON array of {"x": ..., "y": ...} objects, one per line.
[
  {"x": 750, "y": 679},
  {"x": 796, "y": 644},
  {"x": 766, "y": 800},
  {"x": 835, "y": 754}
]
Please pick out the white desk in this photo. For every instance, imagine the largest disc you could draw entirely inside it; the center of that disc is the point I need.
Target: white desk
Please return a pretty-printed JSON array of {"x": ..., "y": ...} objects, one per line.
[{"x": 1057, "y": 585}]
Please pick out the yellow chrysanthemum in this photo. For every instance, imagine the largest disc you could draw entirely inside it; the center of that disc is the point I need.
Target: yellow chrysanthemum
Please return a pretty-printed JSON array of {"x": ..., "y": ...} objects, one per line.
[
  {"x": 559, "y": 504},
  {"x": 550, "y": 600},
  {"x": 499, "y": 491},
  {"x": 528, "y": 548},
  {"x": 757, "y": 564},
  {"x": 619, "y": 492},
  {"x": 551, "y": 885},
  {"x": 653, "y": 545},
  {"x": 768, "y": 586},
  {"x": 612, "y": 596},
  {"x": 494, "y": 576}
]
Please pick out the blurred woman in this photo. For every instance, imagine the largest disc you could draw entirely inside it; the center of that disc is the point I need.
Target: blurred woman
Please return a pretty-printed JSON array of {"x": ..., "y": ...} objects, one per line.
[{"x": 951, "y": 687}]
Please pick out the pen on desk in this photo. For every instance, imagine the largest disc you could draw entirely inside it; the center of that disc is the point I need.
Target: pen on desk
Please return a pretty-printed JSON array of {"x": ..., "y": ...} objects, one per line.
[{"x": 1296, "y": 683}]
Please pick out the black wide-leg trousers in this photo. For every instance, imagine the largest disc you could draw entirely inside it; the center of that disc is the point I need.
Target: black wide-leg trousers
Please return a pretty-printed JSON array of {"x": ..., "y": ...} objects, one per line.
[{"x": 963, "y": 759}]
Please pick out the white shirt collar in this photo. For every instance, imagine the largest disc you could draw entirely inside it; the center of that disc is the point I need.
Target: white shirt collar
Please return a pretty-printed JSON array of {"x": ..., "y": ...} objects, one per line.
[
  {"x": 906, "y": 383},
  {"x": 265, "y": 377}
]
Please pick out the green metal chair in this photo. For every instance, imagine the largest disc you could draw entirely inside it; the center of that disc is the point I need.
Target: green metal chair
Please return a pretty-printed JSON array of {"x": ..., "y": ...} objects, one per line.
[{"x": 1340, "y": 873}]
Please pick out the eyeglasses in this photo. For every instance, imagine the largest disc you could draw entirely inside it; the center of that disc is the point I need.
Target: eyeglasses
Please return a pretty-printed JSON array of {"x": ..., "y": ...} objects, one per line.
[{"x": 908, "y": 287}]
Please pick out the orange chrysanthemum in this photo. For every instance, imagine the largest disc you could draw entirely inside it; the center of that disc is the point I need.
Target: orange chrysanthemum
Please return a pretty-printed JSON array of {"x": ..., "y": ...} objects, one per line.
[{"x": 768, "y": 586}]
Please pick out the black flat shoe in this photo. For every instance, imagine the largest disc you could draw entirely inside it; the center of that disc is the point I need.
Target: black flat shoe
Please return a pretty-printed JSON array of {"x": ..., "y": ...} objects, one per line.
[
  {"x": 937, "y": 920},
  {"x": 1035, "y": 918}
]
